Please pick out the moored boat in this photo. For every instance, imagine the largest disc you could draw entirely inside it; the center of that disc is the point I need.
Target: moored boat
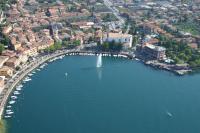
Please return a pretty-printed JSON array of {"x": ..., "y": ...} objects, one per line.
[
  {"x": 14, "y": 97},
  {"x": 16, "y": 92},
  {"x": 9, "y": 113},
  {"x": 7, "y": 116},
  {"x": 12, "y": 102}
]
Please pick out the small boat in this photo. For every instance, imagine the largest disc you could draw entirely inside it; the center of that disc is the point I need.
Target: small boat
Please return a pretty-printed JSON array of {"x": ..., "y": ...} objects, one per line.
[
  {"x": 11, "y": 102},
  {"x": 42, "y": 66},
  {"x": 137, "y": 59},
  {"x": 18, "y": 89},
  {"x": 27, "y": 79},
  {"x": 33, "y": 72},
  {"x": 16, "y": 93},
  {"x": 66, "y": 74},
  {"x": 30, "y": 74},
  {"x": 9, "y": 110},
  {"x": 20, "y": 86},
  {"x": 9, "y": 113},
  {"x": 7, "y": 116},
  {"x": 169, "y": 114},
  {"x": 14, "y": 97},
  {"x": 9, "y": 106}
]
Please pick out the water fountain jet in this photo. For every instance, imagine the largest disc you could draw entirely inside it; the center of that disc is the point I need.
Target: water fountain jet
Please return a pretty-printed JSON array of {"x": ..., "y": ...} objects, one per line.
[{"x": 99, "y": 61}]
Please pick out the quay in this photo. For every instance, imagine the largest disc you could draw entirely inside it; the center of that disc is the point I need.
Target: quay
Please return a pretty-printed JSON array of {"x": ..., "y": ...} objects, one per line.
[{"x": 11, "y": 84}]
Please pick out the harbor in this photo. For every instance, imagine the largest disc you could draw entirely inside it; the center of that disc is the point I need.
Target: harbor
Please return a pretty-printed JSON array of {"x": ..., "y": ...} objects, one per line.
[
  {"x": 41, "y": 61},
  {"x": 77, "y": 91},
  {"x": 38, "y": 64}
]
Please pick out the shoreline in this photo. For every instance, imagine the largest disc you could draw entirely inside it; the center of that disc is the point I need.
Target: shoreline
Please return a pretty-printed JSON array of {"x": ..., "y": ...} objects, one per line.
[{"x": 9, "y": 87}]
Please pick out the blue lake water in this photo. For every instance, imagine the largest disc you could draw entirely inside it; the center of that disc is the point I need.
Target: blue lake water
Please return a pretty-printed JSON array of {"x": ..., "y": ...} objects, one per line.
[{"x": 122, "y": 97}]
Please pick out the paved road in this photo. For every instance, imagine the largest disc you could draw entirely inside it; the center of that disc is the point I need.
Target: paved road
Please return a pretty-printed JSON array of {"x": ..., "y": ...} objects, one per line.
[{"x": 115, "y": 11}]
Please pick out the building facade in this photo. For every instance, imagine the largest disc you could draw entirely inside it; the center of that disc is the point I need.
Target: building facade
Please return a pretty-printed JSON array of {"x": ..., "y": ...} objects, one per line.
[
  {"x": 154, "y": 52},
  {"x": 125, "y": 39}
]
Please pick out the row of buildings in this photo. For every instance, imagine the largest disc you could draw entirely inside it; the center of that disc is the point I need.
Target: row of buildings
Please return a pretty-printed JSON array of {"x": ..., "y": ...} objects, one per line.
[{"x": 31, "y": 32}]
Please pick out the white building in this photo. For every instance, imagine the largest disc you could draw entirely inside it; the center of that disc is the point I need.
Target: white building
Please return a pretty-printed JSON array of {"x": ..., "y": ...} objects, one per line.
[{"x": 125, "y": 39}]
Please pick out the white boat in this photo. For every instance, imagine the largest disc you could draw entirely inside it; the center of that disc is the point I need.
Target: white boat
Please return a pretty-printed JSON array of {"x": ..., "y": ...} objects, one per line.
[
  {"x": 61, "y": 57},
  {"x": 27, "y": 79},
  {"x": 33, "y": 72},
  {"x": 16, "y": 93},
  {"x": 42, "y": 66},
  {"x": 18, "y": 89},
  {"x": 50, "y": 60},
  {"x": 137, "y": 59},
  {"x": 7, "y": 116},
  {"x": 20, "y": 86},
  {"x": 9, "y": 110},
  {"x": 11, "y": 102},
  {"x": 30, "y": 74},
  {"x": 14, "y": 97},
  {"x": 9, "y": 106},
  {"x": 66, "y": 74},
  {"x": 9, "y": 113},
  {"x": 169, "y": 114}
]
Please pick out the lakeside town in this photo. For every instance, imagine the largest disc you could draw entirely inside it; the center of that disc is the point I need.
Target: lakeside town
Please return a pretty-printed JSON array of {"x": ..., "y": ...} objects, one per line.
[{"x": 163, "y": 34}]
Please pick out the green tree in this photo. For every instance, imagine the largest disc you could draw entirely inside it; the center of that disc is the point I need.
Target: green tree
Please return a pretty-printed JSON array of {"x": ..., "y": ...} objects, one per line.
[
  {"x": 65, "y": 43},
  {"x": 77, "y": 42},
  {"x": 1, "y": 48}
]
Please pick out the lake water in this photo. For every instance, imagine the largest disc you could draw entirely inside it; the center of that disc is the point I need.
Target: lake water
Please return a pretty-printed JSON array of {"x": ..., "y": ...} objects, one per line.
[{"x": 125, "y": 96}]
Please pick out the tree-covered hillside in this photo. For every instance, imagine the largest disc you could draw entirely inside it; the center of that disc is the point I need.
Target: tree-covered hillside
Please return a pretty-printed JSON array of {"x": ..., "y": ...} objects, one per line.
[{"x": 4, "y": 4}]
